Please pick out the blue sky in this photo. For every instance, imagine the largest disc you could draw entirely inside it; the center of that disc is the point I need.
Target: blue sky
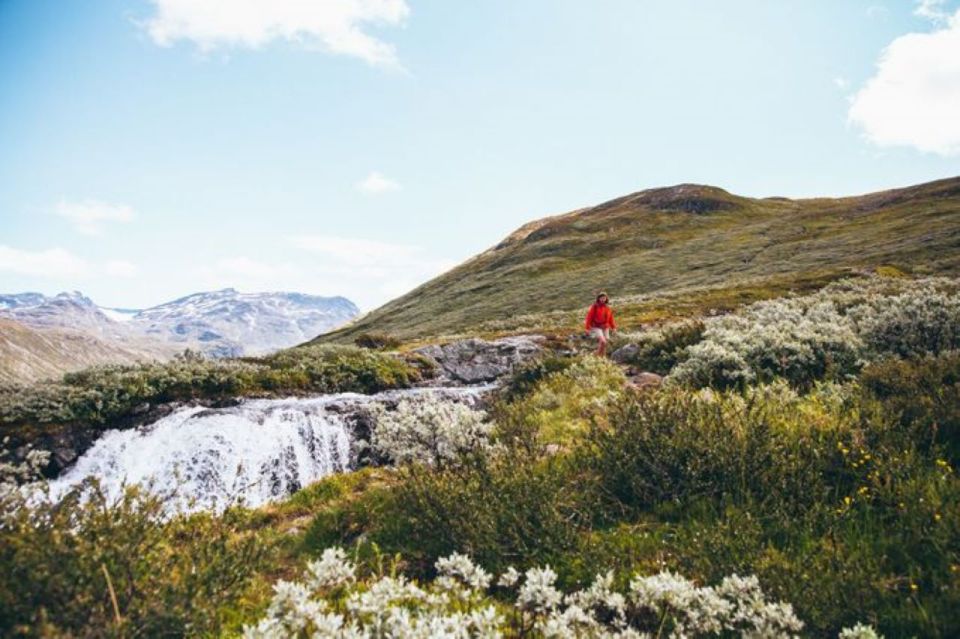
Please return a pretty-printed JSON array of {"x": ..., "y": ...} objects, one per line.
[{"x": 151, "y": 149}]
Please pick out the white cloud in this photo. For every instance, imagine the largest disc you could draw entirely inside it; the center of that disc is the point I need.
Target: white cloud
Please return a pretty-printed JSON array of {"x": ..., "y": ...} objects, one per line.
[
  {"x": 337, "y": 26},
  {"x": 120, "y": 268},
  {"x": 376, "y": 182},
  {"x": 932, "y": 10},
  {"x": 914, "y": 97},
  {"x": 89, "y": 216},
  {"x": 841, "y": 82},
  {"x": 58, "y": 263},
  {"x": 55, "y": 262}
]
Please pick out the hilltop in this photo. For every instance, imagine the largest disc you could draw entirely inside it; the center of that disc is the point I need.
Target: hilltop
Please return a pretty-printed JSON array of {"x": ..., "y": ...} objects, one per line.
[{"x": 686, "y": 249}]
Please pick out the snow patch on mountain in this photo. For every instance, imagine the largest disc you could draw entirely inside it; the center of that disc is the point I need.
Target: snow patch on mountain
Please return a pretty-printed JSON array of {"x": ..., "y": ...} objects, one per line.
[{"x": 231, "y": 323}]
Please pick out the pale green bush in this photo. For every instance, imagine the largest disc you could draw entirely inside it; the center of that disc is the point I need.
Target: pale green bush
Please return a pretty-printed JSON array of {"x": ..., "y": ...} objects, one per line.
[
  {"x": 429, "y": 430},
  {"x": 828, "y": 335},
  {"x": 333, "y": 601}
]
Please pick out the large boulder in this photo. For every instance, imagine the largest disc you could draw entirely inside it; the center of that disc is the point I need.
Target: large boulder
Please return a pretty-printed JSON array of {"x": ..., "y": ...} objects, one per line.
[{"x": 475, "y": 361}]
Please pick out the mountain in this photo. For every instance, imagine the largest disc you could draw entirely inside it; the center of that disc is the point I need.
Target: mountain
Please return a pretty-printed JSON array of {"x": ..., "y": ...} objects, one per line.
[
  {"x": 47, "y": 336},
  {"x": 230, "y": 323},
  {"x": 71, "y": 310},
  {"x": 661, "y": 250}
]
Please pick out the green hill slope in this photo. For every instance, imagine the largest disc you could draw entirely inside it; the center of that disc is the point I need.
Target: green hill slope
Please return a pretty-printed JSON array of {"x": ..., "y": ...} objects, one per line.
[{"x": 699, "y": 245}]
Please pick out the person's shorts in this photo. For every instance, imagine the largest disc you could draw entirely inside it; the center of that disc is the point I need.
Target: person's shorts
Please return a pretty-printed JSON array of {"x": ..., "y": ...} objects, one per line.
[{"x": 598, "y": 332}]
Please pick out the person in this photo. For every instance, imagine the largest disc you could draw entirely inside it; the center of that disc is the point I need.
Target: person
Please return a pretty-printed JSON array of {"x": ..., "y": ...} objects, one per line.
[{"x": 600, "y": 322}]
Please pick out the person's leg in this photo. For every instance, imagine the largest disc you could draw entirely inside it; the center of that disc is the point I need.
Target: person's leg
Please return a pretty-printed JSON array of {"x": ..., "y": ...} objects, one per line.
[{"x": 602, "y": 347}]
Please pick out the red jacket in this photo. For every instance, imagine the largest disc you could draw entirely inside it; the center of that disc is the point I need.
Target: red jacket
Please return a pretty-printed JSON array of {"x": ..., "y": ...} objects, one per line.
[{"x": 600, "y": 316}]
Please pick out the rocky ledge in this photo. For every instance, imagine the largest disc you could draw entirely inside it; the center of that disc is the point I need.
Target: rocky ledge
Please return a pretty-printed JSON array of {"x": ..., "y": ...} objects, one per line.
[{"x": 478, "y": 361}]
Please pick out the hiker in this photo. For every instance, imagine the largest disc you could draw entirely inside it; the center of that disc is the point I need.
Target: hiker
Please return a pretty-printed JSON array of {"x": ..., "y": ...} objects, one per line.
[{"x": 600, "y": 322}]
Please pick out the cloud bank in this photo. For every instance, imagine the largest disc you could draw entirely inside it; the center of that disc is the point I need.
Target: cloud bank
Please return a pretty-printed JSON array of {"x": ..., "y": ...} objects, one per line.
[
  {"x": 376, "y": 182},
  {"x": 336, "y": 26},
  {"x": 913, "y": 99},
  {"x": 89, "y": 216}
]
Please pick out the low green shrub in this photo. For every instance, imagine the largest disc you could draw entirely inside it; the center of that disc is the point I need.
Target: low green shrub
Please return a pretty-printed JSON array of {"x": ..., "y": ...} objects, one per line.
[
  {"x": 62, "y": 566},
  {"x": 102, "y": 395},
  {"x": 525, "y": 377},
  {"x": 559, "y": 407},
  {"x": 503, "y": 510},
  {"x": 924, "y": 395},
  {"x": 659, "y": 351},
  {"x": 377, "y": 341}
]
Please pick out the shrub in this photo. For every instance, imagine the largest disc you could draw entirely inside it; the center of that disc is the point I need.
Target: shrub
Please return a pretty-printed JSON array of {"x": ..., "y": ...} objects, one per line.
[
  {"x": 560, "y": 406},
  {"x": 922, "y": 322},
  {"x": 769, "y": 445},
  {"x": 102, "y": 395},
  {"x": 335, "y": 600},
  {"x": 501, "y": 509},
  {"x": 661, "y": 350},
  {"x": 924, "y": 395},
  {"x": 96, "y": 567},
  {"x": 429, "y": 430},
  {"x": 825, "y": 336},
  {"x": 377, "y": 341},
  {"x": 525, "y": 377}
]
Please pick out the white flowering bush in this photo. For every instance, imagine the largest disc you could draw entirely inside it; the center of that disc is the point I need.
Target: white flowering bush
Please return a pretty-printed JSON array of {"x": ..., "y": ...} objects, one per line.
[
  {"x": 429, "y": 430},
  {"x": 15, "y": 473},
  {"x": 827, "y": 335},
  {"x": 460, "y": 602}
]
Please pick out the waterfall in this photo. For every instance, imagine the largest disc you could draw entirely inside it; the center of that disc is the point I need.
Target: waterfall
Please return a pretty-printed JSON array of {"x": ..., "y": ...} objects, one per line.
[{"x": 210, "y": 458}]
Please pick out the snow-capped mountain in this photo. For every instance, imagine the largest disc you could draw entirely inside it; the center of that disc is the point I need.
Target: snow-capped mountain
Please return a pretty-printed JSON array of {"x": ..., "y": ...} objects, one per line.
[
  {"x": 71, "y": 310},
  {"x": 229, "y": 323},
  {"x": 222, "y": 323}
]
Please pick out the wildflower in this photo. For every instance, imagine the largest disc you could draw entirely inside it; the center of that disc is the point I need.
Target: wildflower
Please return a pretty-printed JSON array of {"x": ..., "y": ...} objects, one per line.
[
  {"x": 460, "y": 566},
  {"x": 292, "y": 605},
  {"x": 331, "y": 570},
  {"x": 859, "y": 631},
  {"x": 509, "y": 578},
  {"x": 538, "y": 593}
]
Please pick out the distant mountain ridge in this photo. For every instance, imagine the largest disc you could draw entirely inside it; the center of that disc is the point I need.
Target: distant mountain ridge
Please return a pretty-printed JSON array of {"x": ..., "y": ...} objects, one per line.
[
  {"x": 223, "y": 323},
  {"x": 230, "y": 323}
]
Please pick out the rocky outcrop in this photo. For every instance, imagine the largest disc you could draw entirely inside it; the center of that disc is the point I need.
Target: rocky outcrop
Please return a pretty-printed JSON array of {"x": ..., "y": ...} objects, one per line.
[
  {"x": 475, "y": 361},
  {"x": 625, "y": 354}
]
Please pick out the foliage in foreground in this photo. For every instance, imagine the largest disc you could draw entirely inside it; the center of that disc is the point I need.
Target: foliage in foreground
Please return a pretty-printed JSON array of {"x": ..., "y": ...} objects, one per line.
[
  {"x": 95, "y": 567},
  {"x": 101, "y": 396},
  {"x": 335, "y": 601},
  {"x": 833, "y": 498}
]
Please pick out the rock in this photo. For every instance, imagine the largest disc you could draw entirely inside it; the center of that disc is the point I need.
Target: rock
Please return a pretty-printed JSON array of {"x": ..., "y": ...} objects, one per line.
[
  {"x": 475, "y": 361},
  {"x": 645, "y": 380},
  {"x": 625, "y": 354}
]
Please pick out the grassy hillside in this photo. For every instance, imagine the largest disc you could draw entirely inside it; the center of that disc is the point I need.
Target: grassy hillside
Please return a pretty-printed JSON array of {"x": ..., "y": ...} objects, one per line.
[
  {"x": 695, "y": 248},
  {"x": 30, "y": 354}
]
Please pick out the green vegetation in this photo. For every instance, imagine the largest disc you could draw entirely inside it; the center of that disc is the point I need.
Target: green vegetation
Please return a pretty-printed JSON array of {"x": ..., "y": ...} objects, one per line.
[
  {"x": 829, "y": 497},
  {"x": 677, "y": 252},
  {"x": 810, "y": 437},
  {"x": 62, "y": 567},
  {"x": 102, "y": 396}
]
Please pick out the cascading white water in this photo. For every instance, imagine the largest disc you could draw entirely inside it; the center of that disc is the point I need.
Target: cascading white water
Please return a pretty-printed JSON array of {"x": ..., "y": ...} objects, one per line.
[{"x": 208, "y": 459}]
